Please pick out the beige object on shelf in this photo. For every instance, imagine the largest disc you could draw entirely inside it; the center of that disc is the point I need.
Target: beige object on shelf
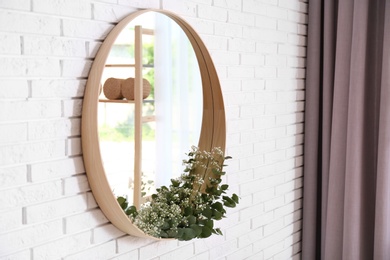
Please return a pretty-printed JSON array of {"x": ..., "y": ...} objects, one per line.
[
  {"x": 112, "y": 88},
  {"x": 213, "y": 130},
  {"x": 128, "y": 88}
]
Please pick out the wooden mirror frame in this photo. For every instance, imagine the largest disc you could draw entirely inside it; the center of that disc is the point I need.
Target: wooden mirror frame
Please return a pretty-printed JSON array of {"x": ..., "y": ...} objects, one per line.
[{"x": 213, "y": 129}]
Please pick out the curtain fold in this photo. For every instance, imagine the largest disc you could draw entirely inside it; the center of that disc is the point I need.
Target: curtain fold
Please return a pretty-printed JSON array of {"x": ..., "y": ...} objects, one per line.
[
  {"x": 346, "y": 210},
  {"x": 382, "y": 205}
]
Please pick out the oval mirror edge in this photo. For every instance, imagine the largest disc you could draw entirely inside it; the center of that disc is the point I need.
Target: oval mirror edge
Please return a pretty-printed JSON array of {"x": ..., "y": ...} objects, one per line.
[{"x": 89, "y": 130}]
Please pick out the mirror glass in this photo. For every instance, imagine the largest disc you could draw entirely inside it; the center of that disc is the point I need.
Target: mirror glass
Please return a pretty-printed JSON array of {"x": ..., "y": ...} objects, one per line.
[{"x": 172, "y": 108}]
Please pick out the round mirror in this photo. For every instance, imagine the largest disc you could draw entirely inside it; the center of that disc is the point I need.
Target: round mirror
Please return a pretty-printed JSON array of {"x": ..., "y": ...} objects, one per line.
[{"x": 152, "y": 92}]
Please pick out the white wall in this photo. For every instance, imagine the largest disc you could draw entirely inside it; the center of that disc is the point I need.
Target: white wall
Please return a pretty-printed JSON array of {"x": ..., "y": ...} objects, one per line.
[{"x": 47, "y": 210}]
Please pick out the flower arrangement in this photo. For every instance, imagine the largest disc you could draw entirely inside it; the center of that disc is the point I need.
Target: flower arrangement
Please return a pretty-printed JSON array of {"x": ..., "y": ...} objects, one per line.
[{"x": 187, "y": 208}]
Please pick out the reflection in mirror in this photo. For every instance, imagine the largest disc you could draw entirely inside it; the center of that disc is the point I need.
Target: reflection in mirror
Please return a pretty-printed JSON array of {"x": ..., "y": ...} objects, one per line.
[{"x": 172, "y": 111}]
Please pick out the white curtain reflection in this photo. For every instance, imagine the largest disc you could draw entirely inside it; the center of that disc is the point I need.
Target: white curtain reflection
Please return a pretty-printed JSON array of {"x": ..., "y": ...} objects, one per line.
[{"x": 178, "y": 99}]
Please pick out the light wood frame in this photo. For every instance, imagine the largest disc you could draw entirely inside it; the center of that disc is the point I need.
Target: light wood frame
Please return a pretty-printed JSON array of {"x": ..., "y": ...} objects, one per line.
[{"x": 213, "y": 129}]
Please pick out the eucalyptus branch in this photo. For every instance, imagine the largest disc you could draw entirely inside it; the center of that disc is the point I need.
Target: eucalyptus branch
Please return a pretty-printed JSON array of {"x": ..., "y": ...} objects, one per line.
[{"x": 188, "y": 207}]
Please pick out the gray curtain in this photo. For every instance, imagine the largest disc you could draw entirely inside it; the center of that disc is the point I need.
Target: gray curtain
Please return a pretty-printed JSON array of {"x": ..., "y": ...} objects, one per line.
[{"x": 346, "y": 208}]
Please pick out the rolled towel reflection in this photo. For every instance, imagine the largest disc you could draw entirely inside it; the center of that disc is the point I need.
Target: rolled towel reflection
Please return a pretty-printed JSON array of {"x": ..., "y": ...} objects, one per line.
[
  {"x": 128, "y": 86},
  {"x": 112, "y": 88}
]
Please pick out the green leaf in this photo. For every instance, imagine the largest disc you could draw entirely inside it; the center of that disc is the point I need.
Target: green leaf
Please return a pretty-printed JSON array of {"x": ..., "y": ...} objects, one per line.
[
  {"x": 191, "y": 220},
  {"x": 218, "y": 192},
  {"x": 217, "y": 205},
  {"x": 207, "y": 213},
  {"x": 172, "y": 233},
  {"x": 206, "y": 232},
  {"x": 211, "y": 190},
  {"x": 188, "y": 234},
  {"x": 209, "y": 223},
  {"x": 224, "y": 187},
  {"x": 218, "y": 231},
  {"x": 163, "y": 234},
  {"x": 188, "y": 211},
  {"x": 175, "y": 183},
  {"x": 197, "y": 229},
  {"x": 228, "y": 157},
  {"x": 227, "y": 198},
  {"x": 235, "y": 198},
  {"x": 122, "y": 202},
  {"x": 197, "y": 212},
  {"x": 180, "y": 232},
  {"x": 132, "y": 210},
  {"x": 217, "y": 215},
  {"x": 229, "y": 204}
]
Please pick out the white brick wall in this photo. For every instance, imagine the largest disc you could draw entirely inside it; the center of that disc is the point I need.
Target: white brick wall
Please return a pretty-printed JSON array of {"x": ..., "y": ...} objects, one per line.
[{"x": 47, "y": 210}]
